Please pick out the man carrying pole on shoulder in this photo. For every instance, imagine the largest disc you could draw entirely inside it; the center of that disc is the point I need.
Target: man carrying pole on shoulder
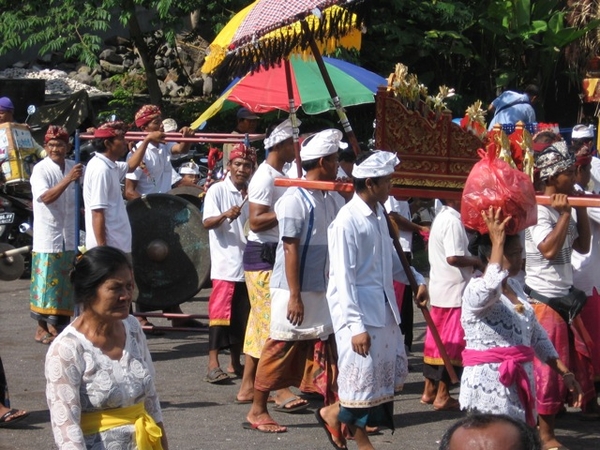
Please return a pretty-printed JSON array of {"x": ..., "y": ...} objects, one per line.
[{"x": 372, "y": 361}]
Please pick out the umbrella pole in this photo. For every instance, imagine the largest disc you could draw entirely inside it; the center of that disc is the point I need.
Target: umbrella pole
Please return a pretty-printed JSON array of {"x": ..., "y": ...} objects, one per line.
[
  {"x": 293, "y": 117},
  {"x": 334, "y": 97},
  {"x": 77, "y": 189}
]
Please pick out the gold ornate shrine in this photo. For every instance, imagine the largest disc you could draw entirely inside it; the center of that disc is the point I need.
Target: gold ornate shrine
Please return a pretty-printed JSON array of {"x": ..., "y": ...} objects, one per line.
[{"x": 435, "y": 152}]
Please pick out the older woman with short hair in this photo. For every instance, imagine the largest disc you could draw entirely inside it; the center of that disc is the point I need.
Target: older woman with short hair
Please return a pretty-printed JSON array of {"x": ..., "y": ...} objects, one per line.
[{"x": 100, "y": 377}]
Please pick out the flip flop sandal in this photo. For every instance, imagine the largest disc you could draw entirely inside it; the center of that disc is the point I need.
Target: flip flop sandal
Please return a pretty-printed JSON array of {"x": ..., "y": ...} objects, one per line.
[
  {"x": 237, "y": 401},
  {"x": 453, "y": 405},
  {"x": 329, "y": 431},
  {"x": 46, "y": 339},
  {"x": 216, "y": 376},
  {"x": 254, "y": 426},
  {"x": 281, "y": 407},
  {"x": 7, "y": 419}
]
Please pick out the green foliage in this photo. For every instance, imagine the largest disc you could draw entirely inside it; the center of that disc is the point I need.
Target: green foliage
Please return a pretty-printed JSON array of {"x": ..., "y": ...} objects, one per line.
[{"x": 475, "y": 46}]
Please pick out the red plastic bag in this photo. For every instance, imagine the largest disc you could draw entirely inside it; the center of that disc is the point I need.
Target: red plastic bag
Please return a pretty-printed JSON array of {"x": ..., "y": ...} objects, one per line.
[{"x": 492, "y": 182}]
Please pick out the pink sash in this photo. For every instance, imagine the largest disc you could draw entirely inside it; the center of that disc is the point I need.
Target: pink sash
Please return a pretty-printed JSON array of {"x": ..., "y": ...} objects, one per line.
[{"x": 510, "y": 370}]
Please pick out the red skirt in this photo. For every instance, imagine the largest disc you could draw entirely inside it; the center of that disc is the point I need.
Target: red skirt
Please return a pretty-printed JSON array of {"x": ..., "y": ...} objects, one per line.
[{"x": 573, "y": 351}]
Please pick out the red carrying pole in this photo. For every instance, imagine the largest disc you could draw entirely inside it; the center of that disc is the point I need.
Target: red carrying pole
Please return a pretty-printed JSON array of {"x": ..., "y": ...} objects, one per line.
[
  {"x": 590, "y": 201},
  {"x": 220, "y": 138}
]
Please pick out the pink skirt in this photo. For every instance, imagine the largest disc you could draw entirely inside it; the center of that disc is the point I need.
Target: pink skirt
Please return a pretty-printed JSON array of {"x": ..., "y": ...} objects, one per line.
[
  {"x": 447, "y": 322},
  {"x": 551, "y": 392},
  {"x": 590, "y": 315}
]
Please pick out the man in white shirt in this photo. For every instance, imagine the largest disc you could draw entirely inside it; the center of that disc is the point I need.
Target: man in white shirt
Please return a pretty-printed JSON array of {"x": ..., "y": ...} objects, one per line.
[
  {"x": 225, "y": 214},
  {"x": 106, "y": 220},
  {"x": 372, "y": 362},
  {"x": 54, "y": 194},
  {"x": 155, "y": 174},
  {"x": 259, "y": 257},
  {"x": 451, "y": 269},
  {"x": 586, "y": 266},
  {"x": 247, "y": 122},
  {"x": 399, "y": 211},
  {"x": 300, "y": 322}
]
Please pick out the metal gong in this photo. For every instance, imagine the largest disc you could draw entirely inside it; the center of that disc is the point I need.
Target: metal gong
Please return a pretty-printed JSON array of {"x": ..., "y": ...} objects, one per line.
[
  {"x": 192, "y": 194},
  {"x": 171, "y": 257},
  {"x": 12, "y": 264}
]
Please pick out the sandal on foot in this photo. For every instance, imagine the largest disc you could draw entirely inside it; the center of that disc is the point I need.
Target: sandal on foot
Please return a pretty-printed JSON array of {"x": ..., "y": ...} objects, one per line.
[
  {"x": 330, "y": 431},
  {"x": 46, "y": 339},
  {"x": 452, "y": 405},
  {"x": 216, "y": 375},
  {"x": 282, "y": 407},
  {"x": 12, "y": 416},
  {"x": 255, "y": 426},
  {"x": 237, "y": 401}
]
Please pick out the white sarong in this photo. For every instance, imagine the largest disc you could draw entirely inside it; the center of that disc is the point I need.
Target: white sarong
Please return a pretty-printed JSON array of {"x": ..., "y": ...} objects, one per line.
[{"x": 364, "y": 382}]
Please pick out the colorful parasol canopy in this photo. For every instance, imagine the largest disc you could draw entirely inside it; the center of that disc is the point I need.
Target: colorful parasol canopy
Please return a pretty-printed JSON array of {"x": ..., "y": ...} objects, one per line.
[
  {"x": 351, "y": 39},
  {"x": 266, "y": 90},
  {"x": 271, "y": 30}
]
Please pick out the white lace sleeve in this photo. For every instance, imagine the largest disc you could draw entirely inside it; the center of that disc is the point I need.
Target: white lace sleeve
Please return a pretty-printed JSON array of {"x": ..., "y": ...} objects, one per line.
[
  {"x": 151, "y": 402},
  {"x": 484, "y": 291},
  {"x": 64, "y": 368}
]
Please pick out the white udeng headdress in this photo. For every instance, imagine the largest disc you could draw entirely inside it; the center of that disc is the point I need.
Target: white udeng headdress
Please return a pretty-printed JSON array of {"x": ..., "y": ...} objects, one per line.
[
  {"x": 281, "y": 132},
  {"x": 379, "y": 164},
  {"x": 321, "y": 144}
]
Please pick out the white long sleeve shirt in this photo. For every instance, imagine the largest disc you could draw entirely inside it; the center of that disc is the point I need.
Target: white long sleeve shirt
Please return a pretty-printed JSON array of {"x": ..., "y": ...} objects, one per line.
[{"x": 362, "y": 267}]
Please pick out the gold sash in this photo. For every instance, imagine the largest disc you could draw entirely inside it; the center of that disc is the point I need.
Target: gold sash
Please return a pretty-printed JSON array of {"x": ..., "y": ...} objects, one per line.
[{"x": 147, "y": 432}]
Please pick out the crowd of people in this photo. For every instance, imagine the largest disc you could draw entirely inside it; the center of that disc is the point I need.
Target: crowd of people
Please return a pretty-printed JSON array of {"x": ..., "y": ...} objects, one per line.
[{"x": 308, "y": 292}]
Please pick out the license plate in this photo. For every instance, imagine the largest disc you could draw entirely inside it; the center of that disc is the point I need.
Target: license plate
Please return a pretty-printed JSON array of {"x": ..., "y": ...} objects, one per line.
[{"x": 7, "y": 217}]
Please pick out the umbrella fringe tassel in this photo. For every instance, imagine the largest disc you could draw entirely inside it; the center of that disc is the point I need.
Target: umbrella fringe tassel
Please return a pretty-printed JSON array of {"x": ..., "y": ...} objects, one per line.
[{"x": 270, "y": 52}]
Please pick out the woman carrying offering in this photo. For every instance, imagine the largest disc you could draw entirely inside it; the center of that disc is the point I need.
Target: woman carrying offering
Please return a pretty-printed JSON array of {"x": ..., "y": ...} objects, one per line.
[
  {"x": 502, "y": 333},
  {"x": 100, "y": 378}
]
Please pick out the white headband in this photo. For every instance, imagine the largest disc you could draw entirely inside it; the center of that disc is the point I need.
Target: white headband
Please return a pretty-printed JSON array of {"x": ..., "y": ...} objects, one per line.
[
  {"x": 189, "y": 168},
  {"x": 582, "y": 132},
  {"x": 282, "y": 132},
  {"x": 379, "y": 164},
  {"x": 321, "y": 144}
]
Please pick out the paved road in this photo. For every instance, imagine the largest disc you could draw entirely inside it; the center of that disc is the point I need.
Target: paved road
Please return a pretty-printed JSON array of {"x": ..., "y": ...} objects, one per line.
[{"x": 200, "y": 416}]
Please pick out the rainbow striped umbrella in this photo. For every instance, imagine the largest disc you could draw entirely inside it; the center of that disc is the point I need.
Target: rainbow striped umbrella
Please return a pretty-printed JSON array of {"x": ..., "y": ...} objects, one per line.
[{"x": 266, "y": 90}]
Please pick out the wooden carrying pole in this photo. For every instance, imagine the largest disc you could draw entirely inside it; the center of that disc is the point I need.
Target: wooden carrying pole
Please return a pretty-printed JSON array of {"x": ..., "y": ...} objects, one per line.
[
  {"x": 415, "y": 287},
  {"x": 216, "y": 138},
  {"x": 347, "y": 187},
  {"x": 590, "y": 201}
]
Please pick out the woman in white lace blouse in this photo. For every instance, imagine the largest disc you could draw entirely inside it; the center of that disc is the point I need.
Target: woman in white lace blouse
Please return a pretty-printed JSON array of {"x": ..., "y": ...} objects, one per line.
[
  {"x": 502, "y": 333},
  {"x": 100, "y": 378}
]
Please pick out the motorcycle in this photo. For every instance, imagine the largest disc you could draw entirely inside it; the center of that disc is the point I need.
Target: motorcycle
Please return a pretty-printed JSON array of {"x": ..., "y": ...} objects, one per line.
[{"x": 16, "y": 202}]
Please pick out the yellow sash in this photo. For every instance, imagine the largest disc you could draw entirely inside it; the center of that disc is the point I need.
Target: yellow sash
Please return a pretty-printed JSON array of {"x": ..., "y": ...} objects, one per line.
[{"x": 147, "y": 432}]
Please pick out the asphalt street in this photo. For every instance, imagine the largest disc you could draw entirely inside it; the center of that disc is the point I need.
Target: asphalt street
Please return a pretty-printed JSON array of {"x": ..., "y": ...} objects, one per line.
[{"x": 202, "y": 416}]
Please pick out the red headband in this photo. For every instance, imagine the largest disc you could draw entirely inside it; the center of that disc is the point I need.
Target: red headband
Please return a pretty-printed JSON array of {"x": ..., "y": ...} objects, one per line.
[
  {"x": 241, "y": 151},
  {"x": 146, "y": 114},
  {"x": 110, "y": 130},
  {"x": 56, "y": 132}
]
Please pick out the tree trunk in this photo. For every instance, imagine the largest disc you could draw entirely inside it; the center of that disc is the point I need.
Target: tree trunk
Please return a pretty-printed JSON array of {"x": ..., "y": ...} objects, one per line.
[
  {"x": 147, "y": 60},
  {"x": 195, "y": 17}
]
